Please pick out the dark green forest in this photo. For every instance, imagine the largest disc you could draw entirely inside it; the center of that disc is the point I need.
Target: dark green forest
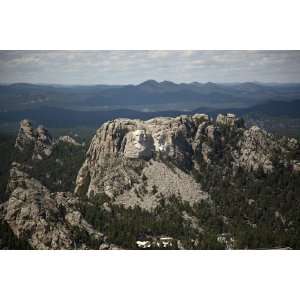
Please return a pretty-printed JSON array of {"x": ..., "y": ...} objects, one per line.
[
  {"x": 58, "y": 172},
  {"x": 124, "y": 226},
  {"x": 6, "y": 157}
]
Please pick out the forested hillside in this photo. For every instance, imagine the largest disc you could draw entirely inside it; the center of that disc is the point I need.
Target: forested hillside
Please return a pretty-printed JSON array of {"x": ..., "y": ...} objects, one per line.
[{"x": 168, "y": 183}]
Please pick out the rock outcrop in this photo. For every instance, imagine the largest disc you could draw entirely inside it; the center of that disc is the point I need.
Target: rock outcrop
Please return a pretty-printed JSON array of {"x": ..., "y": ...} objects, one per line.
[
  {"x": 255, "y": 150},
  {"x": 46, "y": 220},
  {"x": 127, "y": 158},
  {"x": 44, "y": 143},
  {"x": 137, "y": 162},
  {"x": 26, "y": 136},
  {"x": 68, "y": 140},
  {"x": 228, "y": 120},
  {"x": 37, "y": 143}
]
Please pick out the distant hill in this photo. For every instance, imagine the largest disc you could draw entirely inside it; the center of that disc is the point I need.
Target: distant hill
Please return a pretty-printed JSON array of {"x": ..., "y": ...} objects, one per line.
[
  {"x": 150, "y": 93},
  {"x": 23, "y": 95},
  {"x": 290, "y": 109},
  {"x": 276, "y": 109},
  {"x": 211, "y": 94},
  {"x": 59, "y": 117},
  {"x": 62, "y": 118}
]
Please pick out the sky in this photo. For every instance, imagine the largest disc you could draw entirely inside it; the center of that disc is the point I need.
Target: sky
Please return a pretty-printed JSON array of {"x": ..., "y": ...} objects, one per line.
[{"x": 133, "y": 67}]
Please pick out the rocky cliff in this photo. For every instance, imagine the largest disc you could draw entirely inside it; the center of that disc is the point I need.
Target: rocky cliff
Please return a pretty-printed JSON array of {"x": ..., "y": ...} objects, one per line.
[
  {"x": 46, "y": 220},
  {"x": 138, "y": 162},
  {"x": 37, "y": 141},
  {"x": 37, "y": 215}
]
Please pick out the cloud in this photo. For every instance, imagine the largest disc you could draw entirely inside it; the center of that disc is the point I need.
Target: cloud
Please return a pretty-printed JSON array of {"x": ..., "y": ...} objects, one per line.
[{"x": 122, "y": 67}]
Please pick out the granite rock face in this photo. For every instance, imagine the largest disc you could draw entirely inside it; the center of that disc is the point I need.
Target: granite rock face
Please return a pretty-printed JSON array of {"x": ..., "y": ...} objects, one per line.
[
  {"x": 26, "y": 135},
  {"x": 36, "y": 142},
  {"x": 227, "y": 120},
  {"x": 46, "y": 220},
  {"x": 68, "y": 140},
  {"x": 127, "y": 159},
  {"x": 138, "y": 144},
  {"x": 256, "y": 147},
  {"x": 44, "y": 143},
  {"x": 138, "y": 162}
]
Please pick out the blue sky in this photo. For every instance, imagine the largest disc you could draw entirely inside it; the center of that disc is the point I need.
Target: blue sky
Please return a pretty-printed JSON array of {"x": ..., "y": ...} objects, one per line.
[{"x": 125, "y": 67}]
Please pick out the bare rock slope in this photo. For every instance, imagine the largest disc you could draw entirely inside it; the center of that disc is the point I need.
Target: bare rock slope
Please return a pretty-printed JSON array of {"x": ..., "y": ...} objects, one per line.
[
  {"x": 133, "y": 161},
  {"x": 38, "y": 141},
  {"x": 138, "y": 162},
  {"x": 46, "y": 220}
]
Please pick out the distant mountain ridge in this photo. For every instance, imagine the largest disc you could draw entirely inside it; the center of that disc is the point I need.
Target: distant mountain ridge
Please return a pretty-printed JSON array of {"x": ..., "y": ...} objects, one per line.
[
  {"x": 21, "y": 96},
  {"x": 151, "y": 91}
]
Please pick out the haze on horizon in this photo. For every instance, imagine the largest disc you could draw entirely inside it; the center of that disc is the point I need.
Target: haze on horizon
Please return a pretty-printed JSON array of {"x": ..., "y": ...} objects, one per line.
[{"x": 133, "y": 67}]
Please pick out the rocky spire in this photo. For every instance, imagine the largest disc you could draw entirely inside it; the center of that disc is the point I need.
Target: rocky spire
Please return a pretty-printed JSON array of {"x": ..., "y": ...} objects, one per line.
[
  {"x": 44, "y": 143},
  {"x": 227, "y": 120},
  {"x": 34, "y": 143},
  {"x": 26, "y": 135}
]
